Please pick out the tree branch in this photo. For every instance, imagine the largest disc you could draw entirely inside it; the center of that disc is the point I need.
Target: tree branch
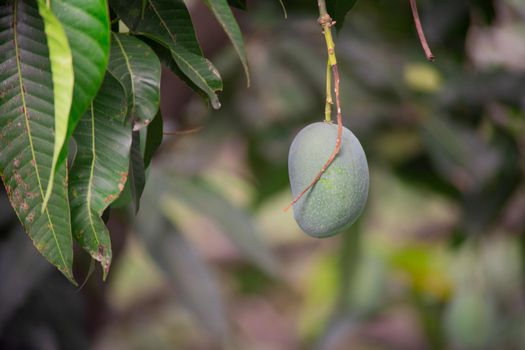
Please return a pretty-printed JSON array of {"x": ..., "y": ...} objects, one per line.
[{"x": 420, "y": 33}]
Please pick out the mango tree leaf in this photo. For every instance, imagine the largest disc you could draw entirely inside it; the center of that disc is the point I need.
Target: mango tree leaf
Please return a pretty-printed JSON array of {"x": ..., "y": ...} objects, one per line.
[
  {"x": 125, "y": 196},
  {"x": 150, "y": 140},
  {"x": 224, "y": 15},
  {"x": 233, "y": 221},
  {"x": 62, "y": 73},
  {"x": 164, "y": 54},
  {"x": 26, "y": 133},
  {"x": 192, "y": 281},
  {"x": 138, "y": 69},
  {"x": 137, "y": 172},
  {"x": 100, "y": 169},
  {"x": 153, "y": 140},
  {"x": 86, "y": 23},
  {"x": 168, "y": 23},
  {"x": 338, "y": 10}
]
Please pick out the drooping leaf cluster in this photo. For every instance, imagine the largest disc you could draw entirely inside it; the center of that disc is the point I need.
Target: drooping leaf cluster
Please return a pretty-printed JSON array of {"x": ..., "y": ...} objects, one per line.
[{"x": 66, "y": 76}]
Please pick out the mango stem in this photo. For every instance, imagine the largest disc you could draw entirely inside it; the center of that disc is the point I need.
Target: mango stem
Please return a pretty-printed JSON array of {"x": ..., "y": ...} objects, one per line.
[
  {"x": 329, "y": 101},
  {"x": 326, "y": 23}
]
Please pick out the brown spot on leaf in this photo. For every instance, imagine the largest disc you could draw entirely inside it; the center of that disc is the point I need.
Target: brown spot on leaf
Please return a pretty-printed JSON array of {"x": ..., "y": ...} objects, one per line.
[
  {"x": 122, "y": 182},
  {"x": 31, "y": 195},
  {"x": 16, "y": 196},
  {"x": 18, "y": 179}
]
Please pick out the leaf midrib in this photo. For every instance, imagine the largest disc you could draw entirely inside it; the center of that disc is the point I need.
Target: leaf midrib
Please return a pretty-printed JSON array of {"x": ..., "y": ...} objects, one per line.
[
  {"x": 92, "y": 175},
  {"x": 128, "y": 65},
  {"x": 232, "y": 34},
  {"x": 28, "y": 128},
  {"x": 172, "y": 36}
]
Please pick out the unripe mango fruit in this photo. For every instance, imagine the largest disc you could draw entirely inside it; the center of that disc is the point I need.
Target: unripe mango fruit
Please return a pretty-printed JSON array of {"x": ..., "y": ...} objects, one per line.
[{"x": 338, "y": 198}]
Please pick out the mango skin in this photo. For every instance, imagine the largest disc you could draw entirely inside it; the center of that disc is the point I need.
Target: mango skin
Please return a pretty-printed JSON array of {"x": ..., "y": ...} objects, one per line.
[{"x": 339, "y": 197}]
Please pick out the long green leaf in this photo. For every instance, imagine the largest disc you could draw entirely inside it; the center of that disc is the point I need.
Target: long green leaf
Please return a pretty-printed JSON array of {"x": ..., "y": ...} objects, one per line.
[
  {"x": 138, "y": 69},
  {"x": 154, "y": 136},
  {"x": 150, "y": 140},
  {"x": 136, "y": 181},
  {"x": 137, "y": 172},
  {"x": 224, "y": 15},
  {"x": 26, "y": 133},
  {"x": 166, "y": 59},
  {"x": 86, "y": 23},
  {"x": 63, "y": 81},
  {"x": 168, "y": 23},
  {"x": 100, "y": 169}
]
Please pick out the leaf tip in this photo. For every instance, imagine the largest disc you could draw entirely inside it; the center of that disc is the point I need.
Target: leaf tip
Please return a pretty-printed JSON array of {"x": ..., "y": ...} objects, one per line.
[
  {"x": 284, "y": 9},
  {"x": 215, "y": 103},
  {"x": 105, "y": 272},
  {"x": 248, "y": 78},
  {"x": 69, "y": 275},
  {"x": 103, "y": 255}
]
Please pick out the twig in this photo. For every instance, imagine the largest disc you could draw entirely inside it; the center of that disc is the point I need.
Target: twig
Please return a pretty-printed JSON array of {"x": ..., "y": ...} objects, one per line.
[
  {"x": 183, "y": 132},
  {"x": 420, "y": 33},
  {"x": 326, "y": 22}
]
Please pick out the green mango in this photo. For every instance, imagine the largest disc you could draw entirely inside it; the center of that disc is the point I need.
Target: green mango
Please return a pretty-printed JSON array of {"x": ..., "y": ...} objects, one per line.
[{"x": 338, "y": 198}]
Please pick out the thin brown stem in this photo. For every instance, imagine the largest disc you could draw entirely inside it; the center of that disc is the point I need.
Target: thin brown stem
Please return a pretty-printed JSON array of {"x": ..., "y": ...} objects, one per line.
[
  {"x": 183, "y": 132},
  {"x": 420, "y": 33}
]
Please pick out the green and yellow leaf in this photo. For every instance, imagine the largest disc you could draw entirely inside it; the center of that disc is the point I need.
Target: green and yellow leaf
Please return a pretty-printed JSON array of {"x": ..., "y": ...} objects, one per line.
[
  {"x": 63, "y": 81},
  {"x": 86, "y": 23}
]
